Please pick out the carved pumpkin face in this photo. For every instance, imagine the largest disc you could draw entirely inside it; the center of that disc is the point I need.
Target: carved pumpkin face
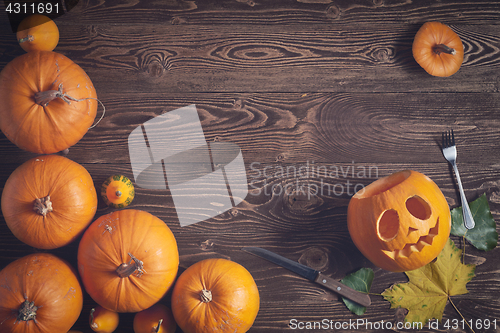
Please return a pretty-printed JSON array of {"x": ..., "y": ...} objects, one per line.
[{"x": 400, "y": 222}]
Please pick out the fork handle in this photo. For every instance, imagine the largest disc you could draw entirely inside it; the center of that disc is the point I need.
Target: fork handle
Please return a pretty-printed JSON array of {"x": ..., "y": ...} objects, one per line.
[{"x": 467, "y": 215}]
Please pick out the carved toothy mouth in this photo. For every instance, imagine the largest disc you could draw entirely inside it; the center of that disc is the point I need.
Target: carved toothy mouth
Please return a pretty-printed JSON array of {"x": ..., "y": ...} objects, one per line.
[{"x": 422, "y": 242}]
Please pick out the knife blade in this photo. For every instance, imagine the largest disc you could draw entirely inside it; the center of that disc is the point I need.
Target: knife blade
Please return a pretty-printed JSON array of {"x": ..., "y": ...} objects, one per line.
[{"x": 311, "y": 274}]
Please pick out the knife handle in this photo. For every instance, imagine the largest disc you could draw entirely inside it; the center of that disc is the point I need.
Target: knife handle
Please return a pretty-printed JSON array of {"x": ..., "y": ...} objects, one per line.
[{"x": 343, "y": 290}]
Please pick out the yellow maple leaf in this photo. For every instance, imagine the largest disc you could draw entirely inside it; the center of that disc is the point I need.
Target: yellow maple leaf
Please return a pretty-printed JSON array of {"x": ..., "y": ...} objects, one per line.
[{"x": 429, "y": 287}]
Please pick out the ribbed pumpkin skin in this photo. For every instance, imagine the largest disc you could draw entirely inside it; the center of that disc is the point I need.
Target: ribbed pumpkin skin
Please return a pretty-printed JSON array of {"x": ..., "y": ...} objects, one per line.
[
  {"x": 106, "y": 245},
  {"x": 47, "y": 281},
  {"x": 72, "y": 194},
  {"x": 441, "y": 64},
  {"x": 37, "y": 33},
  {"x": 57, "y": 126},
  {"x": 235, "y": 298},
  {"x": 391, "y": 194}
]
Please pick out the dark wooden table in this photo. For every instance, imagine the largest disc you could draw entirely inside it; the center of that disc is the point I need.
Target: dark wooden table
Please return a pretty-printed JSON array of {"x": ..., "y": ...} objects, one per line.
[{"x": 293, "y": 84}]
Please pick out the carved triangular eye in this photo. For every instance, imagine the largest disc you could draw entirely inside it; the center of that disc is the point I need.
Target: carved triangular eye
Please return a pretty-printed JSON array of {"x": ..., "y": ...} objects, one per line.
[
  {"x": 388, "y": 225},
  {"x": 410, "y": 230},
  {"x": 418, "y": 207}
]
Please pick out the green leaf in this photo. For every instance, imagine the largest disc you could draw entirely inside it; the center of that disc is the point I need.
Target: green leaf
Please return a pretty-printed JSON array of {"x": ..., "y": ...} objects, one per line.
[
  {"x": 484, "y": 235},
  {"x": 361, "y": 281},
  {"x": 429, "y": 287}
]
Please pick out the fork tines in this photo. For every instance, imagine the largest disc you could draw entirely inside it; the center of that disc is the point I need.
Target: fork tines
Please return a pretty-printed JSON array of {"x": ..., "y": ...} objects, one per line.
[{"x": 448, "y": 139}]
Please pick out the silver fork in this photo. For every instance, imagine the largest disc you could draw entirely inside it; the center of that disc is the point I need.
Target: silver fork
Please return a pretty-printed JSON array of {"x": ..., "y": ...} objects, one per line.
[{"x": 450, "y": 153}]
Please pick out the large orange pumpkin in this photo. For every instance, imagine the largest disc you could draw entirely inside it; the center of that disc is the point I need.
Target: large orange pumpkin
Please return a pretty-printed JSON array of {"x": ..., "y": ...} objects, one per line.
[
  {"x": 48, "y": 201},
  {"x": 400, "y": 222},
  {"x": 48, "y": 102},
  {"x": 37, "y": 33},
  {"x": 39, "y": 293},
  {"x": 128, "y": 260},
  {"x": 438, "y": 49},
  {"x": 215, "y": 295}
]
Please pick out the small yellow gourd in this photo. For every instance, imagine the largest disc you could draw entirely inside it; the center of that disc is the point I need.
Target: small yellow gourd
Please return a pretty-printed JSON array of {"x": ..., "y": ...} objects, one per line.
[{"x": 117, "y": 191}]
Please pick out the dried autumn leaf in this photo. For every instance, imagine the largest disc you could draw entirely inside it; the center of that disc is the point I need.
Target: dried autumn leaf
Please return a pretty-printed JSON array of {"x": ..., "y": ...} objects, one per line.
[
  {"x": 484, "y": 235},
  {"x": 429, "y": 288}
]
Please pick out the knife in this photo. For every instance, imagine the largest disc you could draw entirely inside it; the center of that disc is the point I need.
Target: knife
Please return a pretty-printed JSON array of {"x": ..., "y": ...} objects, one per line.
[{"x": 311, "y": 274}]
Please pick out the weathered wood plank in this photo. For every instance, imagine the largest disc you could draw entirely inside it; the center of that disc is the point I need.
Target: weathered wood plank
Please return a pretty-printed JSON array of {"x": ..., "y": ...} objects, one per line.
[
  {"x": 310, "y": 85},
  {"x": 311, "y": 127},
  {"x": 251, "y": 12},
  {"x": 285, "y": 203},
  {"x": 295, "y": 58}
]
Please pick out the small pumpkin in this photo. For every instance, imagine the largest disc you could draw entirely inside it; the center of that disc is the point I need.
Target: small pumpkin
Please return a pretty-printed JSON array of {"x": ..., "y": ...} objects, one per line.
[
  {"x": 128, "y": 260},
  {"x": 37, "y": 33},
  {"x": 48, "y": 102},
  {"x": 40, "y": 293},
  {"x": 48, "y": 201},
  {"x": 156, "y": 319},
  {"x": 215, "y": 295},
  {"x": 400, "y": 222},
  {"x": 117, "y": 191},
  {"x": 102, "y": 320},
  {"x": 438, "y": 49}
]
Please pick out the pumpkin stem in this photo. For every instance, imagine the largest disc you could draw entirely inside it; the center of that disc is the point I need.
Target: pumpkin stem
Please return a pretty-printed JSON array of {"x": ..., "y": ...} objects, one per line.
[
  {"x": 206, "y": 296},
  {"x": 28, "y": 38},
  {"x": 43, "y": 206},
  {"x": 43, "y": 98},
  {"x": 127, "y": 269},
  {"x": 118, "y": 194},
  {"x": 441, "y": 48},
  {"x": 92, "y": 322},
  {"x": 157, "y": 328},
  {"x": 27, "y": 311}
]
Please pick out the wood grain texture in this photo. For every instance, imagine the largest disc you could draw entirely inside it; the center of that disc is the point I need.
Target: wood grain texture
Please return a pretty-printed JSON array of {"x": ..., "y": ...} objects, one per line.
[
  {"x": 229, "y": 58},
  {"x": 309, "y": 127},
  {"x": 323, "y": 97},
  {"x": 251, "y": 12},
  {"x": 316, "y": 58}
]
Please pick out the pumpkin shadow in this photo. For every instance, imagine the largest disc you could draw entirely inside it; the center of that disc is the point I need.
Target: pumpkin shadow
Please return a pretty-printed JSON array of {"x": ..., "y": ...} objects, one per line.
[{"x": 403, "y": 51}]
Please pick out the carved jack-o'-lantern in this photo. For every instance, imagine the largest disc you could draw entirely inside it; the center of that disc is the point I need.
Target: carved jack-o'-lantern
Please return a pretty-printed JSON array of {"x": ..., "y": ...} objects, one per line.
[{"x": 400, "y": 222}]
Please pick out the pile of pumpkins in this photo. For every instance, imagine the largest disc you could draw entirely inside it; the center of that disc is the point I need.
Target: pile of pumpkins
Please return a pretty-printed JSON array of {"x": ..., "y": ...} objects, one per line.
[{"x": 127, "y": 260}]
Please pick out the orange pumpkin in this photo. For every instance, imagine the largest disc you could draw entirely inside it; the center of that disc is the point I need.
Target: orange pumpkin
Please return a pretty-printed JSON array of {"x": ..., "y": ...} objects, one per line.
[
  {"x": 400, "y": 222},
  {"x": 40, "y": 293},
  {"x": 48, "y": 102},
  {"x": 37, "y": 33},
  {"x": 102, "y": 320},
  {"x": 215, "y": 295},
  {"x": 48, "y": 201},
  {"x": 128, "y": 260},
  {"x": 156, "y": 319},
  {"x": 438, "y": 49}
]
